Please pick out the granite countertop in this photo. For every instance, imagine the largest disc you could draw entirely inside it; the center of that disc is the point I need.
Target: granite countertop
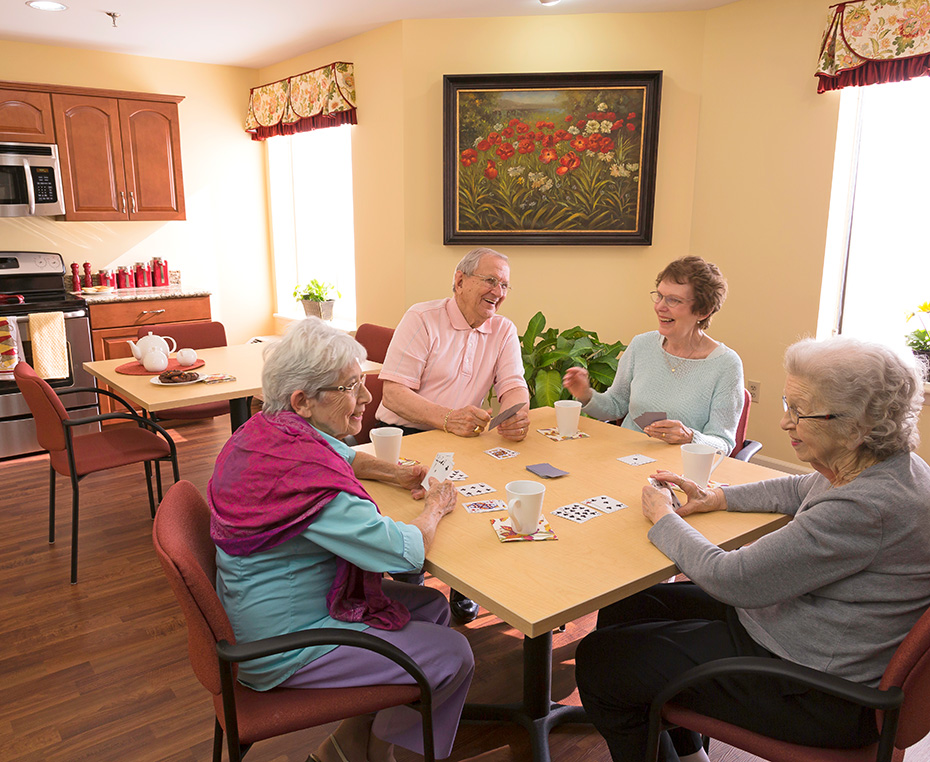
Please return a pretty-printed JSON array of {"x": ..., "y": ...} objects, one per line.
[{"x": 143, "y": 294}]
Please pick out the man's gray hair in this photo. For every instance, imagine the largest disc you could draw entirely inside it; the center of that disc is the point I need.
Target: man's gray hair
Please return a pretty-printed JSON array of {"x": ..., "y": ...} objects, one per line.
[
  {"x": 469, "y": 263},
  {"x": 311, "y": 355},
  {"x": 877, "y": 392}
]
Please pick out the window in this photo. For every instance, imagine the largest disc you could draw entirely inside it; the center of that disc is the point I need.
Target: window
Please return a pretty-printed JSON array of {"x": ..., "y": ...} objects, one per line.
[
  {"x": 877, "y": 266},
  {"x": 312, "y": 224}
]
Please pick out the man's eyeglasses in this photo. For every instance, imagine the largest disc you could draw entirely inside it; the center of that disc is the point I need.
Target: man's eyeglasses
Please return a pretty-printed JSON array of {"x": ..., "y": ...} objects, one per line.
[
  {"x": 491, "y": 282},
  {"x": 354, "y": 388},
  {"x": 671, "y": 301},
  {"x": 795, "y": 416}
]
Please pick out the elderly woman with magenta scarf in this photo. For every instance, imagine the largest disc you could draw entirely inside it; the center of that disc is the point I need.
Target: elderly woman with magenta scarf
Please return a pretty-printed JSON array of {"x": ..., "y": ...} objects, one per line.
[{"x": 300, "y": 544}]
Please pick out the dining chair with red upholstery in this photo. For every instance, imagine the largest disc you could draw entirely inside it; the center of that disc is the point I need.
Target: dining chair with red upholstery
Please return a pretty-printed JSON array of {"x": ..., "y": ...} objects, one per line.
[
  {"x": 200, "y": 335},
  {"x": 901, "y": 703},
  {"x": 77, "y": 455},
  {"x": 181, "y": 535},
  {"x": 745, "y": 448},
  {"x": 375, "y": 339}
]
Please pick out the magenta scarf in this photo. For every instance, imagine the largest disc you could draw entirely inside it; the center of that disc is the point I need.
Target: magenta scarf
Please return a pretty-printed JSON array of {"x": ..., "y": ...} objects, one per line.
[{"x": 272, "y": 478}]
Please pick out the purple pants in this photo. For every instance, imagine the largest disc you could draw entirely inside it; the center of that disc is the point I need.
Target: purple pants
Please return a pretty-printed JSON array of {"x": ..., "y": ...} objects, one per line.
[{"x": 443, "y": 654}]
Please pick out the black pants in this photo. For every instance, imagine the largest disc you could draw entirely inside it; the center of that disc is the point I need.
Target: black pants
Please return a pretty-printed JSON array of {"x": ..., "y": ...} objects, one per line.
[{"x": 643, "y": 642}]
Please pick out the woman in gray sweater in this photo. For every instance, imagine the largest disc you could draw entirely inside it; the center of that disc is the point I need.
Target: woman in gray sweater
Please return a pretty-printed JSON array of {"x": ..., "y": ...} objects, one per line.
[{"x": 836, "y": 589}]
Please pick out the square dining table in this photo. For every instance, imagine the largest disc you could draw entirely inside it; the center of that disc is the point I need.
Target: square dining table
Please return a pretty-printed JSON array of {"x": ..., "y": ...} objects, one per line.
[
  {"x": 536, "y": 586},
  {"x": 243, "y": 361}
]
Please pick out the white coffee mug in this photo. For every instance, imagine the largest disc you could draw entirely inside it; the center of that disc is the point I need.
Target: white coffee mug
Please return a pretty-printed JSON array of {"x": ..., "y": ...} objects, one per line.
[
  {"x": 386, "y": 440},
  {"x": 567, "y": 413},
  {"x": 698, "y": 462},
  {"x": 186, "y": 357},
  {"x": 524, "y": 505}
]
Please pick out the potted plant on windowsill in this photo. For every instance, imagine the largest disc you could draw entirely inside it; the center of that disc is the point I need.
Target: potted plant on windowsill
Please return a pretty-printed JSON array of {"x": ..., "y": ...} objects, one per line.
[
  {"x": 919, "y": 339},
  {"x": 316, "y": 297}
]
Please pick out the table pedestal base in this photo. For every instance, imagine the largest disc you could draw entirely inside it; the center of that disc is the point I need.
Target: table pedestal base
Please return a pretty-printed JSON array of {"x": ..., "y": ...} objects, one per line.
[{"x": 537, "y": 713}]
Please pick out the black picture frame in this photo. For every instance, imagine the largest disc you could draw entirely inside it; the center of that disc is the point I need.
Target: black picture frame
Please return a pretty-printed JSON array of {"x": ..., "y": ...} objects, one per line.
[{"x": 550, "y": 158}]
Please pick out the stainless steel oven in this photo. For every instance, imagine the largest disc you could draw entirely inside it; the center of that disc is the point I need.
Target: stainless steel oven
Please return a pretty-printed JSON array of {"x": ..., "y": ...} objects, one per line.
[{"x": 32, "y": 282}]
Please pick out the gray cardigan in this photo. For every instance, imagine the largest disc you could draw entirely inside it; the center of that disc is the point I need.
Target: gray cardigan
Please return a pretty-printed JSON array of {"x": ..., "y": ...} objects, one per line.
[{"x": 839, "y": 587}]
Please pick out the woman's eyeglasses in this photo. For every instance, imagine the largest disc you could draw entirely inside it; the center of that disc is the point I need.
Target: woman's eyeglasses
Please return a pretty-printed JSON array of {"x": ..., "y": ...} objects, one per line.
[
  {"x": 671, "y": 301},
  {"x": 795, "y": 416},
  {"x": 354, "y": 388}
]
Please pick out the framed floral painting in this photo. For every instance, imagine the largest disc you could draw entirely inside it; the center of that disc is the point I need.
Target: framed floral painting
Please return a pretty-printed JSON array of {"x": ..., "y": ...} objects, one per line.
[{"x": 550, "y": 158}]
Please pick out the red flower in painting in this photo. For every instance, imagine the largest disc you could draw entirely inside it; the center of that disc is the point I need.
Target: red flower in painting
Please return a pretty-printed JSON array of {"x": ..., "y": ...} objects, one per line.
[
  {"x": 579, "y": 143},
  {"x": 616, "y": 125},
  {"x": 548, "y": 140},
  {"x": 522, "y": 128},
  {"x": 491, "y": 171},
  {"x": 513, "y": 122},
  {"x": 569, "y": 161},
  {"x": 594, "y": 115},
  {"x": 508, "y": 132},
  {"x": 631, "y": 115},
  {"x": 580, "y": 123},
  {"x": 505, "y": 151},
  {"x": 593, "y": 141},
  {"x": 494, "y": 138},
  {"x": 610, "y": 116},
  {"x": 526, "y": 146},
  {"x": 606, "y": 145},
  {"x": 547, "y": 155},
  {"x": 569, "y": 118},
  {"x": 540, "y": 125},
  {"x": 539, "y": 135},
  {"x": 630, "y": 126},
  {"x": 484, "y": 145},
  {"x": 562, "y": 135},
  {"x": 469, "y": 156}
]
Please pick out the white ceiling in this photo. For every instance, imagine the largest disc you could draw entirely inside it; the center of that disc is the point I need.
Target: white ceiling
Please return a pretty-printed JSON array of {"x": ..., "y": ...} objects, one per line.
[{"x": 257, "y": 33}]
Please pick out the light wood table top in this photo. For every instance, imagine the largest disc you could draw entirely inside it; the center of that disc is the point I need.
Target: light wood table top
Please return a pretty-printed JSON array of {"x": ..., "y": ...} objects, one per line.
[{"x": 537, "y": 586}]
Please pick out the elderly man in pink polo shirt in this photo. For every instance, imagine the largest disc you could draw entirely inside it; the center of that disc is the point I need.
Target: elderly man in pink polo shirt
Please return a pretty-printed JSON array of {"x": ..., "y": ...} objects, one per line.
[{"x": 447, "y": 354}]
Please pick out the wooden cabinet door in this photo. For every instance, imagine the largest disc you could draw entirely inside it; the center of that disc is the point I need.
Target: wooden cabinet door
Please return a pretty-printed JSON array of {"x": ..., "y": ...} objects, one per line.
[
  {"x": 26, "y": 117},
  {"x": 152, "y": 159},
  {"x": 91, "y": 157}
]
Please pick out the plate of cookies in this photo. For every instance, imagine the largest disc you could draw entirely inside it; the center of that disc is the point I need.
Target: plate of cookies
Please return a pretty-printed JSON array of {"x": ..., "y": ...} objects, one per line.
[{"x": 176, "y": 378}]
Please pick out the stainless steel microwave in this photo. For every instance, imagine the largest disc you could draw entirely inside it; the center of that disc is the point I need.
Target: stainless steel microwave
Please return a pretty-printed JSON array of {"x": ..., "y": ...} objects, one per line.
[{"x": 30, "y": 180}]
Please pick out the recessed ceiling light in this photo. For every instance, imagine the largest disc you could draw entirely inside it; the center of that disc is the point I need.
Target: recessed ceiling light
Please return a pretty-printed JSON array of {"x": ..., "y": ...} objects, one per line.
[
  {"x": 46, "y": 5},
  {"x": 549, "y": 2}
]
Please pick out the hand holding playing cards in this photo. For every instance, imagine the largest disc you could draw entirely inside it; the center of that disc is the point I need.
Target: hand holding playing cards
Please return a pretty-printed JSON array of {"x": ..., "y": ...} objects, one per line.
[
  {"x": 577, "y": 382},
  {"x": 700, "y": 500},
  {"x": 440, "y": 500},
  {"x": 516, "y": 427},
  {"x": 411, "y": 477},
  {"x": 670, "y": 431},
  {"x": 468, "y": 421}
]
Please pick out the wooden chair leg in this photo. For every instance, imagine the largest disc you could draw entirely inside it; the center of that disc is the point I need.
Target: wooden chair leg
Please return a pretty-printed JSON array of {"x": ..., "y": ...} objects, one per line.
[
  {"x": 51, "y": 504},
  {"x": 75, "y": 501}
]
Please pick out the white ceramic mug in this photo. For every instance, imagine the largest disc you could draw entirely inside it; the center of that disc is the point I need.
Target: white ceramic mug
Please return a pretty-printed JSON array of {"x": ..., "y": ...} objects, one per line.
[
  {"x": 698, "y": 462},
  {"x": 386, "y": 440},
  {"x": 524, "y": 505},
  {"x": 567, "y": 413},
  {"x": 186, "y": 357}
]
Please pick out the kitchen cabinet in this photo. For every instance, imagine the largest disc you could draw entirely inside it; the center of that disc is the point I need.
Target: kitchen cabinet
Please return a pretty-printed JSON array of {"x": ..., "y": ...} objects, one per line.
[
  {"x": 26, "y": 117},
  {"x": 120, "y": 157},
  {"x": 113, "y": 324}
]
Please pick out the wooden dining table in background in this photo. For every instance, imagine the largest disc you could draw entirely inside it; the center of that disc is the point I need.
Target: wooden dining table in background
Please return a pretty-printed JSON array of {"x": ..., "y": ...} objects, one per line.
[
  {"x": 536, "y": 586},
  {"x": 243, "y": 361}
]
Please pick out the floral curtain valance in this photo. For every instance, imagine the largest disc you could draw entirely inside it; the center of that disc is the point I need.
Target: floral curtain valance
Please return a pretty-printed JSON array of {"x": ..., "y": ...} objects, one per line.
[
  {"x": 324, "y": 97},
  {"x": 872, "y": 41}
]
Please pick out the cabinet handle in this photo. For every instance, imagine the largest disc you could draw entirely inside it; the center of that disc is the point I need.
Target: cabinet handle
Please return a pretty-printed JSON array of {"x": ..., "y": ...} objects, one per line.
[
  {"x": 151, "y": 312},
  {"x": 132, "y": 197},
  {"x": 122, "y": 195}
]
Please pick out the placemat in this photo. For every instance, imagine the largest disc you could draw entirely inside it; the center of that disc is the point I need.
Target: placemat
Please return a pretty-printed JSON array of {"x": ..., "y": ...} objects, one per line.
[{"x": 135, "y": 368}]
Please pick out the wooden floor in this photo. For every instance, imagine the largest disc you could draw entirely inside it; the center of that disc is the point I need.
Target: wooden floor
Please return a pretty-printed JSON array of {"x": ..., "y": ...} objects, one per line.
[{"x": 99, "y": 671}]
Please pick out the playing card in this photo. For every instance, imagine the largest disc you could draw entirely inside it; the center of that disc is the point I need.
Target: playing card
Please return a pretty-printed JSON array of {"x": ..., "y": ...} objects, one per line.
[
  {"x": 576, "y": 512},
  {"x": 503, "y": 416},
  {"x": 604, "y": 503},
  {"x": 671, "y": 490},
  {"x": 485, "y": 506},
  {"x": 473, "y": 490},
  {"x": 546, "y": 470},
  {"x": 646, "y": 418},
  {"x": 441, "y": 468},
  {"x": 636, "y": 460},
  {"x": 501, "y": 453},
  {"x": 457, "y": 476}
]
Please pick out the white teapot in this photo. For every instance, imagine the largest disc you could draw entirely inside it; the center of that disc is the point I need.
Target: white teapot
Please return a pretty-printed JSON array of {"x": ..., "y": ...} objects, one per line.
[
  {"x": 155, "y": 361},
  {"x": 151, "y": 341}
]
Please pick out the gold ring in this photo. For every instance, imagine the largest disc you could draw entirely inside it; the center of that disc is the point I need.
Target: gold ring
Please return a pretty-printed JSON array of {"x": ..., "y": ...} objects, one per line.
[
  {"x": 663, "y": 435},
  {"x": 477, "y": 429}
]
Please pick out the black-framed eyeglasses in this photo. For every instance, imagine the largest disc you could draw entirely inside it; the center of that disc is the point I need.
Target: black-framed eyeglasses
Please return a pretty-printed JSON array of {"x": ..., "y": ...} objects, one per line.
[
  {"x": 354, "y": 388},
  {"x": 492, "y": 282},
  {"x": 795, "y": 416},
  {"x": 670, "y": 301}
]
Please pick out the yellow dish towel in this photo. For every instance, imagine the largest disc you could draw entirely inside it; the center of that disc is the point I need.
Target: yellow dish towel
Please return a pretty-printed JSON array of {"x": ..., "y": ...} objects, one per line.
[{"x": 49, "y": 348}]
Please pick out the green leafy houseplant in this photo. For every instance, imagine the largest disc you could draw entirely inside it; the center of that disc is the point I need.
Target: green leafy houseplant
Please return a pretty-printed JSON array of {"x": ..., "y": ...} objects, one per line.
[
  {"x": 919, "y": 339},
  {"x": 547, "y": 354},
  {"x": 317, "y": 299}
]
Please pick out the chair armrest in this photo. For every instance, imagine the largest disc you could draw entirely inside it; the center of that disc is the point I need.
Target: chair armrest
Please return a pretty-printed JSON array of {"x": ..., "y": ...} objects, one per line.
[
  {"x": 886, "y": 700},
  {"x": 324, "y": 636},
  {"x": 750, "y": 447},
  {"x": 98, "y": 392},
  {"x": 131, "y": 416}
]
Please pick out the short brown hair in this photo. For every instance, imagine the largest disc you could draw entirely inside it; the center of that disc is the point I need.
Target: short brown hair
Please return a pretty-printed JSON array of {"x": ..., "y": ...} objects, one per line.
[{"x": 705, "y": 279}]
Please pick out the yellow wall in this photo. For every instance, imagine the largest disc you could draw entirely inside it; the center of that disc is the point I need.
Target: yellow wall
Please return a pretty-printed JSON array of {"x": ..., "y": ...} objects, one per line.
[{"x": 223, "y": 244}]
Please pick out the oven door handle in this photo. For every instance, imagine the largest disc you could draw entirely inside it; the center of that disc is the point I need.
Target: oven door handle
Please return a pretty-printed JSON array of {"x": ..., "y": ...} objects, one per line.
[{"x": 74, "y": 314}]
